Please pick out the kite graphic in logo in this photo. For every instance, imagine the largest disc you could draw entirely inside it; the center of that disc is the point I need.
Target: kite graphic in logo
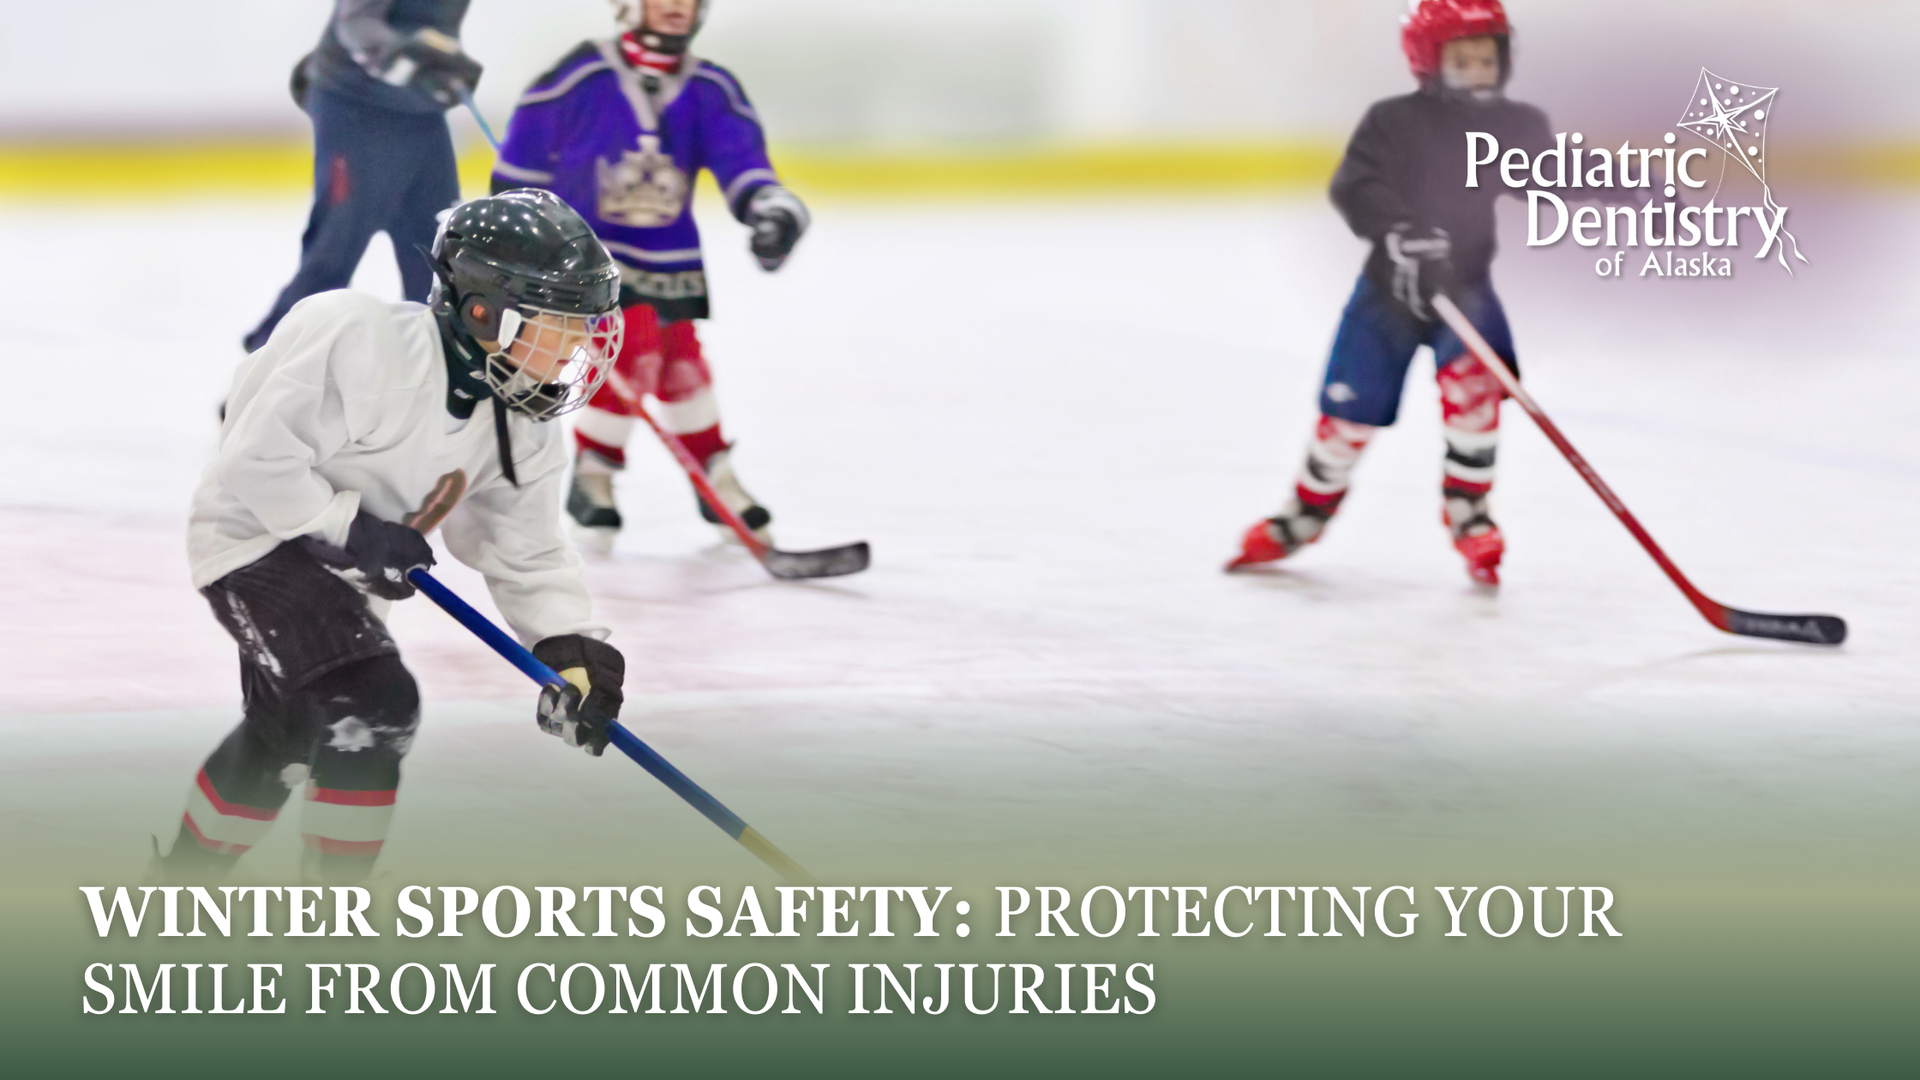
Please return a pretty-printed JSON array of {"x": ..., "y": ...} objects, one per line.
[{"x": 1734, "y": 116}]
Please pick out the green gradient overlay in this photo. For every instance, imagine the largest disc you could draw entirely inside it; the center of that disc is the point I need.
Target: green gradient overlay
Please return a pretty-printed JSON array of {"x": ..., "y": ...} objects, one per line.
[{"x": 1745, "y": 948}]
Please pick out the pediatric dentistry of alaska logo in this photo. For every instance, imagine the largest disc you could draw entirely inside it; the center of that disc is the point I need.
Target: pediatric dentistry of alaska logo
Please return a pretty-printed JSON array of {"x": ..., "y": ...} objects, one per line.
[{"x": 1731, "y": 116}]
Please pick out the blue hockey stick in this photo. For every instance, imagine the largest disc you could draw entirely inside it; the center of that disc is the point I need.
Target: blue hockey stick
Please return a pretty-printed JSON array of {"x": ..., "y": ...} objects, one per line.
[
  {"x": 466, "y": 98},
  {"x": 627, "y": 741}
]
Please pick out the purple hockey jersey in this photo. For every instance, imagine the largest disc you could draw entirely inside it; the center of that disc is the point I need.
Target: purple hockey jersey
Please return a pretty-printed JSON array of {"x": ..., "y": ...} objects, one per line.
[{"x": 622, "y": 146}]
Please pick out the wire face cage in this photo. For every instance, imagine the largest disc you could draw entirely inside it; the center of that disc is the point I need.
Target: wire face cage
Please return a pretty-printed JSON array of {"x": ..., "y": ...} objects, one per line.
[{"x": 550, "y": 363}]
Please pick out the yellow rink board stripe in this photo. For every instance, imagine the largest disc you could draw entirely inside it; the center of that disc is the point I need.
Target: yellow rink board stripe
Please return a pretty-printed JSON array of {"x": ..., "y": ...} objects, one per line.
[
  {"x": 133, "y": 170},
  {"x": 89, "y": 171}
]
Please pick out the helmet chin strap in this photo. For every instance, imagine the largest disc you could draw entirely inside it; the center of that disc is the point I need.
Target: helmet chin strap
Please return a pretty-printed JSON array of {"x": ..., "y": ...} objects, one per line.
[{"x": 664, "y": 44}]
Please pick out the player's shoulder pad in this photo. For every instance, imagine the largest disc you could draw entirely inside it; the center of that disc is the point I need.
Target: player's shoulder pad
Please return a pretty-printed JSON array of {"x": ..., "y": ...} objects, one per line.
[
  {"x": 709, "y": 72},
  {"x": 585, "y": 60}
]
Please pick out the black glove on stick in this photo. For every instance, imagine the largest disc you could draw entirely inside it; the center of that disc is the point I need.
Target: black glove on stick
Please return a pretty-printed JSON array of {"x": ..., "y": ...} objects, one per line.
[
  {"x": 580, "y": 713},
  {"x": 377, "y": 557}
]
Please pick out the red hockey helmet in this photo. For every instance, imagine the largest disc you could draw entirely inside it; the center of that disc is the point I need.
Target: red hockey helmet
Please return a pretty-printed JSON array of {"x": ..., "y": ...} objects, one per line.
[{"x": 1433, "y": 23}]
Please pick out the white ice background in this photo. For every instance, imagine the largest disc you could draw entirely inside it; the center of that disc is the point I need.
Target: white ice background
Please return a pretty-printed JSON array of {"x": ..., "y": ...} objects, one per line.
[{"x": 1053, "y": 420}]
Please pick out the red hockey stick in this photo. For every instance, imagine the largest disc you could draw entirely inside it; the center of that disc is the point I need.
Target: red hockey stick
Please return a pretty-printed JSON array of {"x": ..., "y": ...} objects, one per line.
[{"x": 1810, "y": 629}]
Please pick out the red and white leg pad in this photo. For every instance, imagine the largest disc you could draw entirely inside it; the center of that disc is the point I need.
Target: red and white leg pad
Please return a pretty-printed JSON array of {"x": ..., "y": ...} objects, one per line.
[
  {"x": 221, "y": 826},
  {"x": 603, "y": 436},
  {"x": 1317, "y": 493},
  {"x": 1331, "y": 455},
  {"x": 1469, "y": 395},
  {"x": 352, "y": 823}
]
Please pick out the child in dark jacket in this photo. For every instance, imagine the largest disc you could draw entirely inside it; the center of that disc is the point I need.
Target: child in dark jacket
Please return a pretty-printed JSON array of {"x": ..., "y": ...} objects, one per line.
[{"x": 1401, "y": 186}]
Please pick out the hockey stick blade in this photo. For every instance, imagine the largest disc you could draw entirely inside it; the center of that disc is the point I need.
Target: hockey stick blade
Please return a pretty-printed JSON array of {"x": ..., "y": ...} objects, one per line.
[
  {"x": 1805, "y": 629},
  {"x": 1808, "y": 629},
  {"x": 825, "y": 563}
]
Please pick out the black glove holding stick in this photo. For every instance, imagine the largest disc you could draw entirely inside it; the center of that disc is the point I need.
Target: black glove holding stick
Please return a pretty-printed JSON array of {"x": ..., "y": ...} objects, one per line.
[
  {"x": 377, "y": 557},
  {"x": 1421, "y": 264},
  {"x": 580, "y": 712}
]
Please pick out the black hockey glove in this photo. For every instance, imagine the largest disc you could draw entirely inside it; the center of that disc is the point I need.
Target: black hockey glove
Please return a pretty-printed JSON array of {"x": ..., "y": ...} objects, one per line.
[
  {"x": 377, "y": 557},
  {"x": 778, "y": 219},
  {"x": 1420, "y": 260},
  {"x": 433, "y": 64},
  {"x": 594, "y": 671}
]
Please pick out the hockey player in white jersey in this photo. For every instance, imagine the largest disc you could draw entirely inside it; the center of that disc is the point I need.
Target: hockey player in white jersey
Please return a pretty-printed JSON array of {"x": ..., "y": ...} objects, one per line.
[{"x": 358, "y": 420}]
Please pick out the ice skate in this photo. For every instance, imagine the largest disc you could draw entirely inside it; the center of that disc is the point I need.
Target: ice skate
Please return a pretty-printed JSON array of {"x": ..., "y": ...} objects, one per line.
[
  {"x": 1475, "y": 536},
  {"x": 1279, "y": 536},
  {"x": 720, "y": 474},
  {"x": 596, "y": 518}
]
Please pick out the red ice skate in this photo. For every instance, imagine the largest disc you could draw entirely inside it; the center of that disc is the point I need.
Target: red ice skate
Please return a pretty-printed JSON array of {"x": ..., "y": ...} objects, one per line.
[
  {"x": 1277, "y": 537},
  {"x": 1475, "y": 536},
  {"x": 1259, "y": 546}
]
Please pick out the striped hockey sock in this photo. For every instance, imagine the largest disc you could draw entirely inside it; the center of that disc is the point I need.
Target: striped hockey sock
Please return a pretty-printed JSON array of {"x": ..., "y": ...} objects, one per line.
[
  {"x": 1470, "y": 417},
  {"x": 1326, "y": 474},
  {"x": 343, "y": 832},
  {"x": 216, "y": 830}
]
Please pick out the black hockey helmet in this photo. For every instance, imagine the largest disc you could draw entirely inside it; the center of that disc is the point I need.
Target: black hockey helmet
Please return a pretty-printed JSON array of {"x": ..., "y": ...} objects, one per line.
[
  {"x": 506, "y": 261},
  {"x": 521, "y": 249}
]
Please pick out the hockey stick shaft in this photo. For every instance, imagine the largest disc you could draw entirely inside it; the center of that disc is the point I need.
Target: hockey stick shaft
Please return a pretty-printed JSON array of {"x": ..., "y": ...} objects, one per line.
[
  {"x": 466, "y": 98},
  {"x": 1457, "y": 322},
  {"x": 1814, "y": 629},
  {"x": 630, "y": 744}
]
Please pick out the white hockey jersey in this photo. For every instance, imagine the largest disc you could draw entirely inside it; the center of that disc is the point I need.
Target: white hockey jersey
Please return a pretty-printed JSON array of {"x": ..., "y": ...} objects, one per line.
[{"x": 345, "y": 408}]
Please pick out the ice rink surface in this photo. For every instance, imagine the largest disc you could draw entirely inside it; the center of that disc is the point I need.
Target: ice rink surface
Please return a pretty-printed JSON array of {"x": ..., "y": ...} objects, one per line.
[{"x": 1053, "y": 420}]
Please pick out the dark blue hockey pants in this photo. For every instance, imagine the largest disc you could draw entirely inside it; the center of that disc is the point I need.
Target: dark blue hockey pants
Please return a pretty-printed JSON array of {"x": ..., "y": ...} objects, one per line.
[
  {"x": 1378, "y": 338},
  {"x": 374, "y": 170}
]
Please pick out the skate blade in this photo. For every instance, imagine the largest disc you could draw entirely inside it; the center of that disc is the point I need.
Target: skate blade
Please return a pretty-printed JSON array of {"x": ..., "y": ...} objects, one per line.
[
  {"x": 1244, "y": 561},
  {"x": 1486, "y": 579}
]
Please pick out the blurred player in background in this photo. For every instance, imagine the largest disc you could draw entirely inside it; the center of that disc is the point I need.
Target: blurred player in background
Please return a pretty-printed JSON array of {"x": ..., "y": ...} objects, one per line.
[
  {"x": 1400, "y": 187},
  {"x": 356, "y": 428},
  {"x": 620, "y": 129},
  {"x": 377, "y": 90}
]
